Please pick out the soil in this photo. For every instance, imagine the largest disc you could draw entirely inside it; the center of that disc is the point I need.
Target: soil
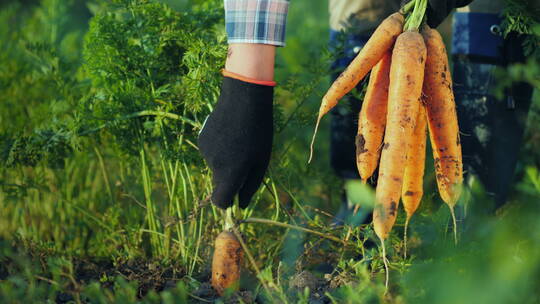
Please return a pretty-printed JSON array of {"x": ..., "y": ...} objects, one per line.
[{"x": 153, "y": 275}]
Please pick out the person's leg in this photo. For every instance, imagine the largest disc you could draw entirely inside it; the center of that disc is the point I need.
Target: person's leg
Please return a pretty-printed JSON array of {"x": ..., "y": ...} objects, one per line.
[{"x": 491, "y": 129}]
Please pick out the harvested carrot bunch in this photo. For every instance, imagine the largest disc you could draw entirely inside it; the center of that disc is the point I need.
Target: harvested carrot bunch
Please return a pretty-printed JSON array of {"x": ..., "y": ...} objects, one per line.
[{"x": 409, "y": 91}]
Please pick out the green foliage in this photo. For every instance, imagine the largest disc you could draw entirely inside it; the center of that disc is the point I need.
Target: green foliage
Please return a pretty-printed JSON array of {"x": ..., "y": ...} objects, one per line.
[
  {"x": 49, "y": 145},
  {"x": 40, "y": 82},
  {"x": 144, "y": 56},
  {"x": 522, "y": 17},
  {"x": 143, "y": 62}
]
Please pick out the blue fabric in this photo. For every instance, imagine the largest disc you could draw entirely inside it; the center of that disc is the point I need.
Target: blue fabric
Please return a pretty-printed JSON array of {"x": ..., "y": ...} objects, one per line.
[
  {"x": 491, "y": 131},
  {"x": 256, "y": 21},
  {"x": 344, "y": 117},
  {"x": 348, "y": 43},
  {"x": 472, "y": 35}
]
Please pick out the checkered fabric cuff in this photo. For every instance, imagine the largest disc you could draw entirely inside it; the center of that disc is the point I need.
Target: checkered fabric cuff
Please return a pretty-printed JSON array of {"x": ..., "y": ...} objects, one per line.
[{"x": 256, "y": 21}]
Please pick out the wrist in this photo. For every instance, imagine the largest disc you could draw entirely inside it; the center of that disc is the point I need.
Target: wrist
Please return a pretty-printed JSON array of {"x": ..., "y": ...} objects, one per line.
[{"x": 254, "y": 61}]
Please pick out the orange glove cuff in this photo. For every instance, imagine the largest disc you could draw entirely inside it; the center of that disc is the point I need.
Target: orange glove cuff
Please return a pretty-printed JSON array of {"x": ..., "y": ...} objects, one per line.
[{"x": 247, "y": 79}]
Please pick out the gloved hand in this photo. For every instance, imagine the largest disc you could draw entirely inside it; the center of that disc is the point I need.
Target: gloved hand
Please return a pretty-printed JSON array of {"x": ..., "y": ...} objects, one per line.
[
  {"x": 236, "y": 140},
  {"x": 438, "y": 10}
]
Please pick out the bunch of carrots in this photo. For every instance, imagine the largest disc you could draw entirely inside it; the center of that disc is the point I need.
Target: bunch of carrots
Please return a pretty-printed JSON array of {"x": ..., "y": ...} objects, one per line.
[{"x": 409, "y": 88}]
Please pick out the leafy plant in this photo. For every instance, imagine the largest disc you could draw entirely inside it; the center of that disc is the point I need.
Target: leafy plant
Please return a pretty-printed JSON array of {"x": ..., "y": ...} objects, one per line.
[
  {"x": 41, "y": 83},
  {"x": 520, "y": 19},
  {"x": 155, "y": 73}
]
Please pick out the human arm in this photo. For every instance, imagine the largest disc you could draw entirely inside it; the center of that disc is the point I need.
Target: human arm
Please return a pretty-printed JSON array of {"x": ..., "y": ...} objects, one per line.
[
  {"x": 255, "y": 61},
  {"x": 236, "y": 140}
]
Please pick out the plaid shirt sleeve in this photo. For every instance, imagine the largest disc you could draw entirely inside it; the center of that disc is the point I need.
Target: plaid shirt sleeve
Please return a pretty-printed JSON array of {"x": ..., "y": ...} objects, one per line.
[{"x": 256, "y": 21}]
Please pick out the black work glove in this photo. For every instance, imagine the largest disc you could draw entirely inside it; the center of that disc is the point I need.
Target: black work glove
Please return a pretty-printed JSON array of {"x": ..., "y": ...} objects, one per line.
[
  {"x": 236, "y": 140},
  {"x": 438, "y": 10}
]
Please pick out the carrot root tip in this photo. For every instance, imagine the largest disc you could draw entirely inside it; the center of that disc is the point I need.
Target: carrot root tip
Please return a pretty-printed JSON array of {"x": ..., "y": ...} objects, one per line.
[
  {"x": 452, "y": 212},
  {"x": 405, "y": 237},
  {"x": 386, "y": 269},
  {"x": 313, "y": 139}
]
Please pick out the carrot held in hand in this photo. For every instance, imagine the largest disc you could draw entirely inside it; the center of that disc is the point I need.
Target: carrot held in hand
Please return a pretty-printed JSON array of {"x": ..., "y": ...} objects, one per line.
[
  {"x": 406, "y": 77},
  {"x": 378, "y": 44},
  {"x": 372, "y": 118},
  {"x": 442, "y": 121},
  {"x": 413, "y": 179}
]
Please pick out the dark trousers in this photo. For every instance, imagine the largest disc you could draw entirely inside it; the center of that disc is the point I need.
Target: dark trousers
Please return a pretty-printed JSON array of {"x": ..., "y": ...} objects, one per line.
[{"x": 491, "y": 128}]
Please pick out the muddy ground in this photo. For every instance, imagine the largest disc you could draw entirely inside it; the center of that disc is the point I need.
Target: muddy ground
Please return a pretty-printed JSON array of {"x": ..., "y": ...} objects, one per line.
[{"x": 156, "y": 276}]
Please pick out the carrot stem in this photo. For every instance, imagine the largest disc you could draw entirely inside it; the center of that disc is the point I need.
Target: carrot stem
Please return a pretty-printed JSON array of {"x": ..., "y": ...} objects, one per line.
[
  {"x": 251, "y": 259},
  {"x": 228, "y": 223},
  {"x": 407, "y": 7},
  {"x": 198, "y": 298},
  {"x": 417, "y": 16},
  {"x": 284, "y": 225},
  {"x": 144, "y": 113}
]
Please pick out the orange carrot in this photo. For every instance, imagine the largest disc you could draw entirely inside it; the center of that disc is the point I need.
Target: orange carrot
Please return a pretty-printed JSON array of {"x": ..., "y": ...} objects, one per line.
[
  {"x": 413, "y": 179},
  {"x": 406, "y": 77},
  {"x": 378, "y": 44},
  {"x": 372, "y": 118},
  {"x": 442, "y": 121},
  {"x": 226, "y": 262},
  {"x": 404, "y": 94}
]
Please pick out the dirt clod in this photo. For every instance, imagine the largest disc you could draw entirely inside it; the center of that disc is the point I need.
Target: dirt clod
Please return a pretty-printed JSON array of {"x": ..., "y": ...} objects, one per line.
[{"x": 305, "y": 279}]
